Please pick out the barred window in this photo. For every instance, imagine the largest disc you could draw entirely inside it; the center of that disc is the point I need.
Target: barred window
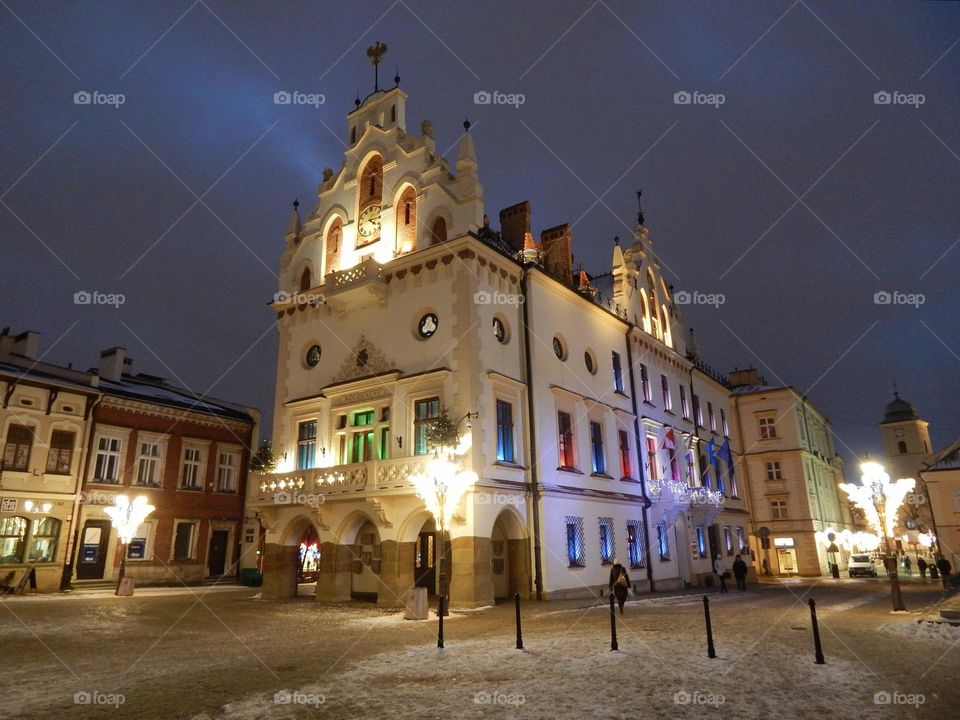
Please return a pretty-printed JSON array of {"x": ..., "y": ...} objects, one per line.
[
  {"x": 635, "y": 543},
  {"x": 663, "y": 542},
  {"x": 607, "y": 550},
  {"x": 575, "y": 550}
]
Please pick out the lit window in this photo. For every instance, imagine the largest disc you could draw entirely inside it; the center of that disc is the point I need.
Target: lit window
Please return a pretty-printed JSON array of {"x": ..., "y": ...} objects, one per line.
[
  {"x": 504, "y": 431},
  {"x": 728, "y": 539},
  {"x": 645, "y": 384},
  {"x": 148, "y": 465},
  {"x": 183, "y": 544},
  {"x": 44, "y": 534},
  {"x": 635, "y": 543},
  {"x": 425, "y": 411},
  {"x": 701, "y": 542},
  {"x": 617, "y": 373},
  {"x": 723, "y": 423},
  {"x": 190, "y": 478},
  {"x": 575, "y": 550},
  {"x": 606, "y": 541},
  {"x": 306, "y": 444},
  {"x": 13, "y": 532},
  {"x": 599, "y": 463},
  {"x": 684, "y": 403},
  {"x": 626, "y": 465},
  {"x": 711, "y": 418},
  {"x": 697, "y": 411},
  {"x": 665, "y": 393},
  {"x": 653, "y": 462},
  {"x": 663, "y": 543},
  {"x": 742, "y": 539},
  {"x": 565, "y": 440}
]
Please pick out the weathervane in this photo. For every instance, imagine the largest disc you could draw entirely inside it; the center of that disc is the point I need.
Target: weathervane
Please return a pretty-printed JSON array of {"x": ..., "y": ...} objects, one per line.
[
  {"x": 376, "y": 53},
  {"x": 640, "y": 217}
]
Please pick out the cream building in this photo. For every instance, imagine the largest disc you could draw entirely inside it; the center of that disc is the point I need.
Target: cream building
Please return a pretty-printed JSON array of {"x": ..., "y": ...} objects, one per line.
[
  {"x": 398, "y": 300},
  {"x": 793, "y": 475},
  {"x": 942, "y": 484},
  {"x": 43, "y": 423}
]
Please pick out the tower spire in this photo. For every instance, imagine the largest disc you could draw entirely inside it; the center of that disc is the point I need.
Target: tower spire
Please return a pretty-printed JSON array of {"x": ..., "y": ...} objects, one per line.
[
  {"x": 376, "y": 52},
  {"x": 640, "y": 218}
]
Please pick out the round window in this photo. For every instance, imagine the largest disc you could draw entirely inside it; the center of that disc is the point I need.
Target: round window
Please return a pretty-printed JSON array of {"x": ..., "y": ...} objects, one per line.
[
  {"x": 428, "y": 325},
  {"x": 499, "y": 330},
  {"x": 313, "y": 356},
  {"x": 588, "y": 361},
  {"x": 558, "y": 349}
]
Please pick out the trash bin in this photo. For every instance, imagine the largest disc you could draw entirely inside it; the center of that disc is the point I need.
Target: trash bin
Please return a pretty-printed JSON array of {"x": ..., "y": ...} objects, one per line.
[
  {"x": 416, "y": 601},
  {"x": 835, "y": 570},
  {"x": 250, "y": 577}
]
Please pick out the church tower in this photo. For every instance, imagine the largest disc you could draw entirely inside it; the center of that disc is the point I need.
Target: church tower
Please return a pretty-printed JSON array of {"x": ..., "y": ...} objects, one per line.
[{"x": 906, "y": 439}]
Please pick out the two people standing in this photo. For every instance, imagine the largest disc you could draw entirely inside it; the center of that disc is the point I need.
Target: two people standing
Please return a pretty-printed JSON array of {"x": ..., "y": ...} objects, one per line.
[{"x": 739, "y": 572}]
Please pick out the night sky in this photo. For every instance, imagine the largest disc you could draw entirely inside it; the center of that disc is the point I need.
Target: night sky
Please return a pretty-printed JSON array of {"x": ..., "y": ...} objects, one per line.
[{"x": 798, "y": 198}]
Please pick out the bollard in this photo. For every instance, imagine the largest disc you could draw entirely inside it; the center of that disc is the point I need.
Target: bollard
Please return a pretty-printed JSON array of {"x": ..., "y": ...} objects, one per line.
[
  {"x": 440, "y": 615},
  {"x": 613, "y": 626},
  {"x": 711, "y": 651},
  {"x": 816, "y": 633},
  {"x": 516, "y": 599}
]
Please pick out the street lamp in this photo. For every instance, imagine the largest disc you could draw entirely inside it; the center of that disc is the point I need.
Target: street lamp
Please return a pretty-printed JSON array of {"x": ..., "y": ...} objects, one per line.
[
  {"x": 880, "y": 501},
  {"x": 126, "y": 517}
]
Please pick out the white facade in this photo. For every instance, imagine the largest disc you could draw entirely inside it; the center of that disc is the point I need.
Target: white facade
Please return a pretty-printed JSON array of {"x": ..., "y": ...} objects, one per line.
[{"x": 396, "y": 300}]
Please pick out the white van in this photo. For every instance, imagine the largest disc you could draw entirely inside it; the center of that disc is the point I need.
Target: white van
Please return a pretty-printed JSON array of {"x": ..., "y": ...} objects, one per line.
[{"x": 862, "y": 565}]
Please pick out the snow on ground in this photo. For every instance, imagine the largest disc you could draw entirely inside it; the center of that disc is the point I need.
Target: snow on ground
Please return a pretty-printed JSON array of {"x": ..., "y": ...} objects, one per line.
[{"x": 938, "y": 631}]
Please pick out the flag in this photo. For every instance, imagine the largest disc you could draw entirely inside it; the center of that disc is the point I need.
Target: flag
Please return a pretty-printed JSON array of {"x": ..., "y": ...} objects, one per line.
[
  {"x": 669, "y": 440},
  {"x": 726, "y": 455}
]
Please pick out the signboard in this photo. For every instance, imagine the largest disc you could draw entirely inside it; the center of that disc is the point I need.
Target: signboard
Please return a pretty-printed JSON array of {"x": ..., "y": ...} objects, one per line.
[
  {"x": 88, "y": 553},
  {"x": 8, "y": 505},
  {"x": 783, "y": 542},
  {"x": 763, "y": 532},
  {"x": 137, "y": 549}
]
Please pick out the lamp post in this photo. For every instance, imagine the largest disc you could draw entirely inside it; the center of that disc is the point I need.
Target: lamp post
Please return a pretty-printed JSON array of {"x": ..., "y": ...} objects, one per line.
[
  {"x": 880, "y": 501},
  {"x": 443, "y": 485},
  {"x": 126, "y": 517}
]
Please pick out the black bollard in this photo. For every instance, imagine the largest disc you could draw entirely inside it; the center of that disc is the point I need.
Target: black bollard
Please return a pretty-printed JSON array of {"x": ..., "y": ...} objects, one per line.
[
  {"x": 613, "y": 626},
  {"x": 440, "y": 615},
  {"x": 516, "y": 599},
  {"x": 711, "y": 651},
  {"x": 816, "y": 633}
]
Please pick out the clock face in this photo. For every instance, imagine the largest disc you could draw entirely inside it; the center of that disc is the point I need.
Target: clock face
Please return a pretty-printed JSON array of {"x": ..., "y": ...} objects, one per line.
[
  {"x": 898, "y": 432},
  {"x": 369, "y": 223}
]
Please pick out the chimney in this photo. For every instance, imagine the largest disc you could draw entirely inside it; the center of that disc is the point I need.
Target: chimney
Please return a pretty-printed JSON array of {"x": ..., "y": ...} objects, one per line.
[
  {"x": 557, "y": 246},
  {"x": 113, "y": 364},
  {"x": 6, "y": 343},
  {"x": 741, "y": 378},
  {"x": 515, "y": 224},
  {"x": 27, "y": 344}
]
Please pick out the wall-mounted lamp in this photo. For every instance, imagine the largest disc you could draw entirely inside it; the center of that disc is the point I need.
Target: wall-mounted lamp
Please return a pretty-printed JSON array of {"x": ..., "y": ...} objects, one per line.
[
  {"x": 400, "y": 441},
  {"x": 469, "y": 417}
]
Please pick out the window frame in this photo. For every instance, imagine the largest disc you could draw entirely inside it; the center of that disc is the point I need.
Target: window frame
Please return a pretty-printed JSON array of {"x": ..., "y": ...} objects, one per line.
[
  {"x": 194, "y": 532},
  {"x": 420, "y": 446},
  {"x": 233, "y": 452},
  {"x": 56, "y": 452},
  {"x": 608, "y": 544},
  {"x": 200, "y": 465},
  {"x": 31, "y": 440},
  {"x": 566, "y": 442},
  {"x": 598, "y": 458},
  {"x": 108, "y": 453},
  {"x": 665, "y": 394},
  {"x": 576, "y": 550},
  {"x": 767, "y": 427},
  {"x": 636, "y": 550},
  {"x": 617, "y": 372},
  {"x": 506, "y": 447}
]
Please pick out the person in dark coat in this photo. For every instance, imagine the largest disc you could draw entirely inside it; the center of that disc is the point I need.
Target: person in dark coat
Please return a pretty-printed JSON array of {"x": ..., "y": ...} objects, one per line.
[
  {"x": 943, "y": 565},
  {"x": 922, "y": 567},
  {"x": 740, "y": 572},
  {"x": 619, "y": 583}
]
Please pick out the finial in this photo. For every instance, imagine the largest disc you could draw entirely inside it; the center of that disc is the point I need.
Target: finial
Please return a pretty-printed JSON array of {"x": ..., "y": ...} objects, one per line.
[
  {"x": 640, "y": 218},
  {"x": 466, "y": 125},
  {"x": 616, "y": 239},
  {"x": 396, "y": 78},
  {"x": 296, "y": 205},
  {"x": 376, "y": 53},
  {"x": 357, "y": 101}
]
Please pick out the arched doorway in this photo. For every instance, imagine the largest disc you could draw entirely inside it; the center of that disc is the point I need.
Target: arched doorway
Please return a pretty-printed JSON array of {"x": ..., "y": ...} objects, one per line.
[
  {"x": 509, "y": 557},
  {"x": 425, "y": 557},
  {"x": 309, "y": 554},
  {"x": 365, "y": 565}
]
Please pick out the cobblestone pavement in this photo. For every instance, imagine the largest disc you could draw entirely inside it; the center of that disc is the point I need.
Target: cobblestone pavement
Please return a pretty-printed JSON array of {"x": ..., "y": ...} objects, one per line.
[{"x": 224, "y": 653}]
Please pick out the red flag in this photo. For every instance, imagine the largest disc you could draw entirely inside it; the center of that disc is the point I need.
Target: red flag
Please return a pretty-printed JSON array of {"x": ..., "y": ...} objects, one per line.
[{"x": 669, "y": 441}]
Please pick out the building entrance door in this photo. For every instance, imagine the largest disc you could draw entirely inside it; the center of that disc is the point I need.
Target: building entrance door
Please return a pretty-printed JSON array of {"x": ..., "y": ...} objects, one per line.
[
  {"x": 94, "y": 544},
  {"x": 424, "y": 562},
  {"x": 217, "y": 557},
  {"x": 787, "y": 557}
]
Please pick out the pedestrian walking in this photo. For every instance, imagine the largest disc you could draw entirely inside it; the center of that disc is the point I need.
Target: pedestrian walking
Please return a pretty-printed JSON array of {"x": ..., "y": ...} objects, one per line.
[
  {"x": 922, "y": 567},
  {"x": 943, "y": 565},
  {"x": 766, "y": 567},
  {"x": 619, "y": 583},
  {"x": 720, "y": 568},
  {"x": 740, "y": 572},
  {"x": 906, "y": 565}
]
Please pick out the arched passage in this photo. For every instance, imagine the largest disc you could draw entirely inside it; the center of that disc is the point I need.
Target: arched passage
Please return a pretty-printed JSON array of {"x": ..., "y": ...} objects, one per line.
[
  {"x": 509, "y": 556},
  {"x": 281, "y": 560}
]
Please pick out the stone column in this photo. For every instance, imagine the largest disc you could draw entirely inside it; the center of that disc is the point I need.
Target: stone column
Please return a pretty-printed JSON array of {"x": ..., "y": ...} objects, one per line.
[
  {"x": 280, "y": 563},
  {"x": 472, "y": 580},
  {"x": 396, "y": 572},
  {"x": 334, "y": 582}
]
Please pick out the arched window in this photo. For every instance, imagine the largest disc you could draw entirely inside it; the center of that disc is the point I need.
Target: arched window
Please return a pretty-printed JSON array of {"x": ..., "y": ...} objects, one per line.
[
  {"x": 353, "y": 134},
  {"x": 13, "y": 532},
  {"x": 902, "y": 447},
  {"x": 653, "y": 306},
  {"x": 407, "y": 221},
  {"x": 305, "y": 280},
  {"x": 43, "y": 540},
  {"x": 646, "y": 313},
  {"x": 438, "y": 233},
  {"x": 371, "y": 183},
  {"x": 667, "y": 334},
  {"x": 334, "y": 236}
]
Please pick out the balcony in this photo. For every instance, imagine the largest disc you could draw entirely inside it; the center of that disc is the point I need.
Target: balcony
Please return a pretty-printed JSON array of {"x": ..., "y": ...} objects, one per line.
[
  {"x": 375, "y": 476},
  {"x": 356, "y": 286}
]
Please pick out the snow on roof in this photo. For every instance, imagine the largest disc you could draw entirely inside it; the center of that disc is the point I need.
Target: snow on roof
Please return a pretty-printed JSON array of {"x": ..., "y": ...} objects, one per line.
[{"x": 153, "y": 391}]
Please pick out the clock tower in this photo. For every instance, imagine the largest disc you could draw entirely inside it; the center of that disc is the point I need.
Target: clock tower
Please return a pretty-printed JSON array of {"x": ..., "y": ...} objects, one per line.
[{"x": 906, "y": 446}]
